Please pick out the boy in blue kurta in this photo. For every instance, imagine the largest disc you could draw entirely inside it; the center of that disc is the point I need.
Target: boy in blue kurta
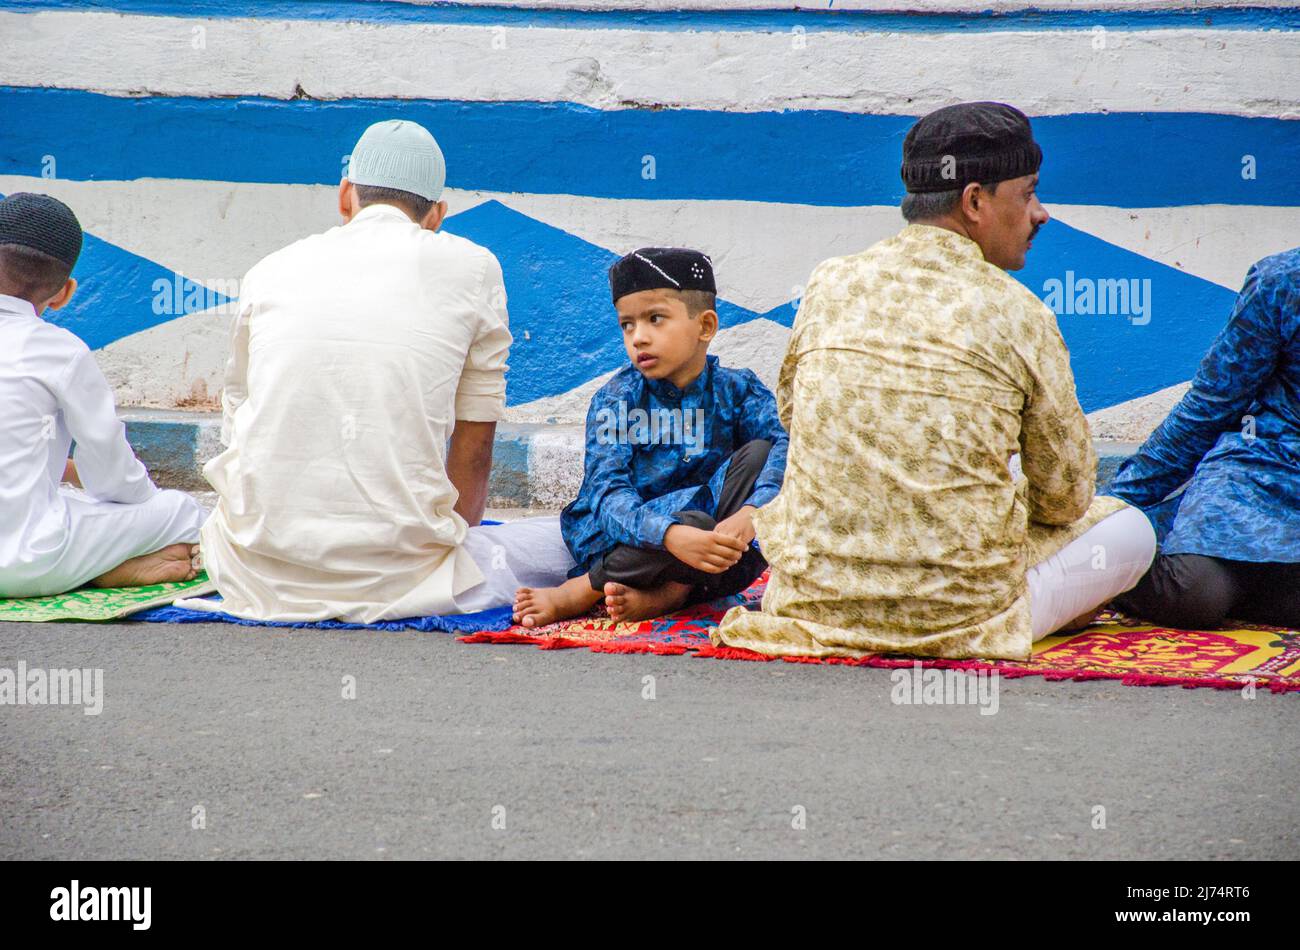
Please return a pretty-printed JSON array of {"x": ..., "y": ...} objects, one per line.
[
  {"x": 680, "y": 452},
  {"x": 1230, "y": 543}
]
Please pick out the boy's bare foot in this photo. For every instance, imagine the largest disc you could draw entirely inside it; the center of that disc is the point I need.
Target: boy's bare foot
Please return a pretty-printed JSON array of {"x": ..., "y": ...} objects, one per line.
[
  {"x": 538, "y": 606},
  {"x": 627, "y": 604},
  {"x": 176, "y": 562}
]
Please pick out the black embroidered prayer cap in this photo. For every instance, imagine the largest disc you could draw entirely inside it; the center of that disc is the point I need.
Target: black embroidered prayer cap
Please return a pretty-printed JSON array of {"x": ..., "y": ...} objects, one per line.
[
  {"x": 661, "y": 268},
  {"x": 971, "y": 141},
  {"x": 42, "y": 223}
]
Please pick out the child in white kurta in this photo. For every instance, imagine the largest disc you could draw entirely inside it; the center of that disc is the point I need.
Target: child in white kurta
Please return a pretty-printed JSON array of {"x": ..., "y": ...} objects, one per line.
[{"x": 54, "y": 537}]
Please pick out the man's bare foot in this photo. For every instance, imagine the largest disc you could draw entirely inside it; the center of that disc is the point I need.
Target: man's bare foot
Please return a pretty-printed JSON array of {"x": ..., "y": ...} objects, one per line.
[
  {"x": 538, "y": 606},
  {"x": 628, "y": 605},
  {"x": 176, "y": 562}
]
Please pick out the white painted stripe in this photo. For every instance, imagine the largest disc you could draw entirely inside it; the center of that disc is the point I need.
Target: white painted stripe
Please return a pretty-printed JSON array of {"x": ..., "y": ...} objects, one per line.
[
  {"x": 208, "y": 231},
  {"x": 1220, "y": 71},
  {"x": 762, "y": 253},
  {"x": 1214, "y": 242},
  {"x": 213, "y": 231}
]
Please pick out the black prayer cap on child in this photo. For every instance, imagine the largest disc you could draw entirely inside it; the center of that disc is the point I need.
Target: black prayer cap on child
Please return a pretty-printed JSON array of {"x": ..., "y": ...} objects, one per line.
[
  {"x": 661, "y": 268},
  {"x": 42, "y": 223},
  {"x": 983, "y": 142}
]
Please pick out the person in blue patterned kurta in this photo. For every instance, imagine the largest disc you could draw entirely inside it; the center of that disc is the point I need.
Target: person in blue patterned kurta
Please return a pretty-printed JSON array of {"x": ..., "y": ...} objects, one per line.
[
  {"x": 1230, "y": 543},
  {"x": 680, "y": 452}
]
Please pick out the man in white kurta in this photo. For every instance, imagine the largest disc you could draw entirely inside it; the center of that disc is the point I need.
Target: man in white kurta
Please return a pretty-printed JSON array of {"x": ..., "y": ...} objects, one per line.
[
  {"x": 54, "y": 537},
  {"x": 356, "y": 355}
]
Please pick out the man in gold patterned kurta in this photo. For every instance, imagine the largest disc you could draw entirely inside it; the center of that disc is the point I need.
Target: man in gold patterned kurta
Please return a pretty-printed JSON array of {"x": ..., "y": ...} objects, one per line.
[{"x": 916, "y": 370}]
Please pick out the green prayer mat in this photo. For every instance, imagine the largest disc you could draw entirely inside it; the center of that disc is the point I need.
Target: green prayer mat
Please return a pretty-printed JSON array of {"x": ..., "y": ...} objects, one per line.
[{"x": 100, "y": 603}]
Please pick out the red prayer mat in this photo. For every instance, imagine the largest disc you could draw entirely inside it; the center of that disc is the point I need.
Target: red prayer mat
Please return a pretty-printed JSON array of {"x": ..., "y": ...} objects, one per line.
[{"x": 1115, "y": 647}]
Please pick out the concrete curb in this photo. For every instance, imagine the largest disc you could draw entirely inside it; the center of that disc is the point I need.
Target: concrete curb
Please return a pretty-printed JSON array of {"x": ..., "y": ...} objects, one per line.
[
  {"x": 1110, "y": 455},
  {"x": 174, "y": 445},
  {"x": 534, "y": 466}
]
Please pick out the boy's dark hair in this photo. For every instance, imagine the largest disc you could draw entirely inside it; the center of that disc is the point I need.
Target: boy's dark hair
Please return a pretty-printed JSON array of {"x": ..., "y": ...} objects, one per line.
[
  {"x": 31, "y": 274},
  {"x": 697, "y": 301},
  {"x": 413, "y": 204},
  {"x": 928, "y": 205}
]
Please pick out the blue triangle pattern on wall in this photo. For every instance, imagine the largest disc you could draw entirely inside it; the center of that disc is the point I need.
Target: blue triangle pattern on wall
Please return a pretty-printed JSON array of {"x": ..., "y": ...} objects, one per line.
[
  {"x": 120, "y": 293},
  {"x": 560, "y": 311}
]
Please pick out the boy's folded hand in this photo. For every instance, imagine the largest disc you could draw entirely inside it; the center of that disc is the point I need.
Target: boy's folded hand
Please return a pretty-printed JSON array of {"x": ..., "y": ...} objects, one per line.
[
  {"x": 740, "y": 525},
  {"x": 708, "y": 551}
]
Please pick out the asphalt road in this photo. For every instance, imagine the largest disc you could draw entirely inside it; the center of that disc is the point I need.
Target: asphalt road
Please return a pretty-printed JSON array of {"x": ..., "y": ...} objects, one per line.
[{"x": 445, "y": 740}]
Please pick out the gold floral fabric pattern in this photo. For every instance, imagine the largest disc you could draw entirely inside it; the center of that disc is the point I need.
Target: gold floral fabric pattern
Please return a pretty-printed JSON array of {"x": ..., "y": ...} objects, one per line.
[{"x": 915, "y": 371}]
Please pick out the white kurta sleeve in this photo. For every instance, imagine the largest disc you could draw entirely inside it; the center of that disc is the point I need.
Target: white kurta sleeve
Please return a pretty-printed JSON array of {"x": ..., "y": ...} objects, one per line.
[
  {"x": 481, "y": 395},
  {"x": 107, "y": 466}
]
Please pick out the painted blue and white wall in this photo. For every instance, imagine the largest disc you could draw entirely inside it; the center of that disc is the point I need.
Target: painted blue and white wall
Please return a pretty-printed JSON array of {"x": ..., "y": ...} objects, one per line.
[{"x": 194, "y": 138}]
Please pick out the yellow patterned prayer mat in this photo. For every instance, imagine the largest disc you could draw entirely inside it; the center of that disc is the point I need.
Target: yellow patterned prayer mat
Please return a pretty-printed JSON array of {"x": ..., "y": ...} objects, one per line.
[
  {"x": 1115, "y": 647},
  {"x": 100, "y": 603}
]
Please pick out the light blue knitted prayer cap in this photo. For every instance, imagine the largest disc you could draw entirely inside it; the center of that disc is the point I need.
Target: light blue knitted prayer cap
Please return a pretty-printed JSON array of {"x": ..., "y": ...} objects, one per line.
[{"x": 399, "y": 154}]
